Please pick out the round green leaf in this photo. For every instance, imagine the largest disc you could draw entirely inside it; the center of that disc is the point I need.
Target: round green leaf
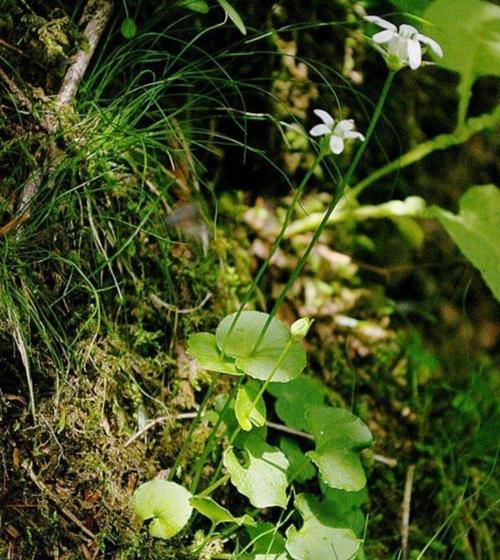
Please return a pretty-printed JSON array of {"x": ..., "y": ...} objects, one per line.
[
  {"x": 337, "y": 427},
  {"x": 246, "y": 413},
  {"x": 263, "y": 477},
  {"x": 166, "y": 503},
  {"x": 203, "y": 347},
  {"x": 241, "y": 341},
  {"x": 339, "y": 468},
  {"x": 128, "y": 28},
  {"x": 338, "y": 435},
  {"x": 294, "y": 398},
  {"x": 270, "y": 363},
  {"x": 317, "y": 539},
  {"x": 274, "y": 356}
]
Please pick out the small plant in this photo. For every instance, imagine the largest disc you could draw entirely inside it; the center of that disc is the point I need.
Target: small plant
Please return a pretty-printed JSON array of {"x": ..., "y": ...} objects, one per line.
[
  {"x": 325, "y": 485},
  {"x": 269, "y": 359}
]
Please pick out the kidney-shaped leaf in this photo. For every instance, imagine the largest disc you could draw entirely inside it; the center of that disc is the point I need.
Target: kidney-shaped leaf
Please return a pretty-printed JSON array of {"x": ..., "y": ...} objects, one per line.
[
  {"x": 469, "y": 33},
  {"x": 338, "y": 435},
  {"x": 203, "y": 347},
  {"x": 239, "y": 340},
  {"x": 275, "y": 357},
  {"x": 166, "y": 503},
  {"x": 317, "y": 540},
  {"x": 476, "y": 231},
  {"x": 262, "y": 479},
  {"x": 217, "y": 513},
  {"x": 294, "y": 398}
]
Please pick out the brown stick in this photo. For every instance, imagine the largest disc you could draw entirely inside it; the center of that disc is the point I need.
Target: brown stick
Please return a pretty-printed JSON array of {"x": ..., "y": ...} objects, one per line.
[
  {"x": 97, "y": 12},
  {"x": 101, "y": 12},
  {"x": 405, "y": 521}
]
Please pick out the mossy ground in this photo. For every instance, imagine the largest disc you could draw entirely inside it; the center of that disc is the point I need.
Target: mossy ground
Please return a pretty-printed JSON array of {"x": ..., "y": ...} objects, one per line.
[{"x": 98, "y": 292}]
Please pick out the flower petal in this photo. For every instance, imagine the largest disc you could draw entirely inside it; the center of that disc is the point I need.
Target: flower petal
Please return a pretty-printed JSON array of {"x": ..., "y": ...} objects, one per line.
[
  {"x": 407, "y": 31},
  {"x": 353, "y": 134},
  {"x": 381, "y": 22},
  {"x": 336, "y": 144},
  {"x": 324, "y": 116},
  {"x": 383, "y": 36},
  {"x": 434, "y": 45},
  {"x": 414, "y": 53},
  {"x": 343, "y": 126},
  {"x": 320, "y": 130}
]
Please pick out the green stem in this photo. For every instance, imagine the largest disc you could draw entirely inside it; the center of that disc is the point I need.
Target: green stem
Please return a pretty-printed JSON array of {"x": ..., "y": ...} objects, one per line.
[
  {"x": 194, "y": 423},
  {"x": 222, "y": 480},
  {"x": 208, "y": 445},
  {"x": 440, "y": 142},
  {"x": 338, "y": 195},
  {"x": 299, "y": 191},
  {"x": 237, "y": 431}
]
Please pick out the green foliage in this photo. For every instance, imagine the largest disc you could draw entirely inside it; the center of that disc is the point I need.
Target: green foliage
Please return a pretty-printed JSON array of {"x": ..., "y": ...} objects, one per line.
[
  {"x": 199, "y": 6},
  {"x": 339, "y": 436},
  {"x": 468, "y": 32},
  {"x": 233, "y": 15},
  {"x": 294, "y": 398},
  {"x": 476, "y": 231},
  {"x": 247, "y": 413},
  {"x": 166, "y": 503},
  {"x": 266, "y": 539},
  {"x": 216, "y": 513},
  {"x": 415, "y": 7},
  {"x": 318, "y": 538},
  {"x": 204, "y": 348},
  {"x": 301, "y": 469},
  {"x": 128, "y": 28},
  {"x": 277, "y": 357},
  {"x": 262, "y": 477}
]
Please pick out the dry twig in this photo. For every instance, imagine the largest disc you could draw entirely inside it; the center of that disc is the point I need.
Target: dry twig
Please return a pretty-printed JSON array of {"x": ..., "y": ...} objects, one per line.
[{"x": 405, "y": 521}]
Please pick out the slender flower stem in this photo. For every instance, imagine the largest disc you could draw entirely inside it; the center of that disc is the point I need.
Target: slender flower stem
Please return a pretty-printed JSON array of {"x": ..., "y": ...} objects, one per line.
[
  {"x": 208, "y": 445},
  {"x": 194, "y": 423},
  {"x": 237, "y": 431},
  {"x": 299, "y": 191},
  {"x": 335, "y": 200}
]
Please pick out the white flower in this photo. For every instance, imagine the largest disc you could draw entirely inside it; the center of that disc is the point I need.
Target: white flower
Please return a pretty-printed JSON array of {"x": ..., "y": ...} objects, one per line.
[
  {"x": 403, "y": 44},
  {"x": 337, "y": 133}
]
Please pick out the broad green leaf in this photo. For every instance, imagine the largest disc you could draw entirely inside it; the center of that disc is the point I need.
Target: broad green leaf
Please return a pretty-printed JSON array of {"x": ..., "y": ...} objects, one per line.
[
  {"x": 128, "y": 28},
  {"x": 166, "y": 503},
  {"x": 338, "y": 435},
  {"x": 469, "y": 33},
  {"x": 233, "y": 15},
  {"x": 262, "y": 479},
  {"x": 339, "y": 468},
  {"x": 476, "y": 231},
  {"x": 199, "y": 6},
  {"x": 338, "y": 427},
  {"x": 301, "y": 469},
  {"x": 345, "y": 507},
  {"x": 293, "y": 399},
  {"x": 241, "y": 342},
  {"x": 203, "y": 347},
  {"x": 274, "y": 356},
  {"x": 415, "y": 7},
  {"x": 317, "y": 539},
  {"x": 270, "y": 363},
  {"x": 248, "y": 414},
  {"x": 216, "y": 513},
  {"x": 266, "y": 539}
]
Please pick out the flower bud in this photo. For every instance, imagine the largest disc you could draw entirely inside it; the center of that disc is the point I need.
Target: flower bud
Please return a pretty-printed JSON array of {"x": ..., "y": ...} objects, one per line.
[{"x": 300, "y": 328}]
